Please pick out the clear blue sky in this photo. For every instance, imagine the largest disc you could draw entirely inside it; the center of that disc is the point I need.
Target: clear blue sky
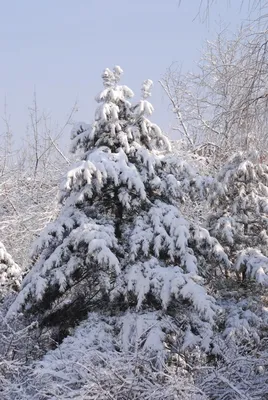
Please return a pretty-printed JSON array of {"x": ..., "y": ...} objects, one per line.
[{"x": 60, "y": 47}]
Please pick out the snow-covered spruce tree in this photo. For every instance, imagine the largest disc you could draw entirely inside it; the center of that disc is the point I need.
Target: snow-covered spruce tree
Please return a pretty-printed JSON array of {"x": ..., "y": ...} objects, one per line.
[
  {"x": 120, "y": 246},
  {"x": 10, "y": 273},
  {"x": 239, "y": 219}
]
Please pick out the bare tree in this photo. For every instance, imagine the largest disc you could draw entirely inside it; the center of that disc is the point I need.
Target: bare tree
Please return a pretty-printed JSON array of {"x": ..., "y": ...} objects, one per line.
[
  {"x": 29, "y": 179},
  {"x": 255, "y": 8},
  {"x": 224, "y": 105}
]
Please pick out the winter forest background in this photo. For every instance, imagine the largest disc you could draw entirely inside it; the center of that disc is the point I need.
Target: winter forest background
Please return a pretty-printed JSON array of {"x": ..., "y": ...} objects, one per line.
[{"x": 134, "y": 257}]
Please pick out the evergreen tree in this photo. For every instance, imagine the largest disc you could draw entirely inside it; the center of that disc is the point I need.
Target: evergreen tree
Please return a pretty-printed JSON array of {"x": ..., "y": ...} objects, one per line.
[
  {"x": 120, "y": 247},
  {"x": 10, "y": 273},
  {"x": 240, "y": 214}
]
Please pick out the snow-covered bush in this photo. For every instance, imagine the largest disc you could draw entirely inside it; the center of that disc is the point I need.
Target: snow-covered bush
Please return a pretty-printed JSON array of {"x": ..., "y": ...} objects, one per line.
[
  {"x": 240, "y": 214},
  {"x": 20, "y": 345},
  {"x": 238, "y": 366},
  {"x": 239, "y": 377},
  {"x": 109, "y": 358}
]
